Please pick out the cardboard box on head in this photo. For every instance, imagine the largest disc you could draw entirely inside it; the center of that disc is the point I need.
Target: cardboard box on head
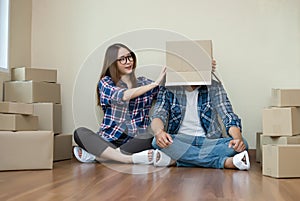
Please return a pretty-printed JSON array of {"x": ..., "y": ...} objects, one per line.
[{"x": 188, "y": 62}]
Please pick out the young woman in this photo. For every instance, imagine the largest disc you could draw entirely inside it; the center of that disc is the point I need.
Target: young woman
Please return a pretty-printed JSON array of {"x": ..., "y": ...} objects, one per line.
[{"x": 126, "y": 102}]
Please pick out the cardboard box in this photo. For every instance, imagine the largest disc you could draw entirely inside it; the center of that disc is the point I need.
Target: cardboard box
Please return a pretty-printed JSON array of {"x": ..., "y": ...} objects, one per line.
[
  {"x": 280, "y": 140},
  {"x": 26, "y": 150},
  {"x": 18, "y": 122},
  {"x": 3, "y": 77},
  {"x": 31, "y": 92},
  {"x": 285, "y": 97},
  {"x": 281, "y": 161},
  {"x": 1, "y": 89},
  {"x": 281, "y": 121},
  {"x": 16, "y": 108},
  {"x": 34, "y": 74},
  {"x": 189, "y": 62},
  {"x": 258, "y": 147},
  {"x": 62, "y": 147},
  {"x": 49, "y": 115}
]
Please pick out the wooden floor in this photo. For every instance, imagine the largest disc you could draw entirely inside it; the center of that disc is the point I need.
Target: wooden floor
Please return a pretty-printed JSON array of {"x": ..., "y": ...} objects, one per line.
[{"x": 71, "y": 180}]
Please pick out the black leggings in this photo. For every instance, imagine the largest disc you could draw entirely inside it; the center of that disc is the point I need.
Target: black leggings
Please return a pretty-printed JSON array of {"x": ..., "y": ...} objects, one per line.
[{"x": 95, "y": 144}]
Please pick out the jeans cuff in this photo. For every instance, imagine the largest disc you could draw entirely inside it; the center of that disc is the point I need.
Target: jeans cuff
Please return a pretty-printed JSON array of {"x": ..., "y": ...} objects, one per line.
[{"x": 222, "y": 165}]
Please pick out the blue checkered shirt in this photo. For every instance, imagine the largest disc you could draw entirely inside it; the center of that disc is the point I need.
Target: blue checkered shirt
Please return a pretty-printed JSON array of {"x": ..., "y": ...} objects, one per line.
[
  {"x": 213, "y": 107},
  {"x": 131, "y": 117}
]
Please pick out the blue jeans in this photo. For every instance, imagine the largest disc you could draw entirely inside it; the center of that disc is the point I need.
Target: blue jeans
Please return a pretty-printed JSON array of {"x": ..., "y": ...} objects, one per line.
[{"x": 192, "y": 151}]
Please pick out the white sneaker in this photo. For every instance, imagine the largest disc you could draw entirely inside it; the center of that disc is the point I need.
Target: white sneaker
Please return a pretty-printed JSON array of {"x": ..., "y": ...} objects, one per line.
[
  {"x": 85, "y": 156},
  {"x": 241, "y": 161},
  {"x": 163, "y": 161}
]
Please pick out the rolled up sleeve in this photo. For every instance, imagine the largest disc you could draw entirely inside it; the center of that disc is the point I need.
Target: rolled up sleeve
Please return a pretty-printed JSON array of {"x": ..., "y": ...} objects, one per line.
[
  {"x": 109, "y": 93},
  {"x": 224, "y": 108},
  {"x": 162, "y": 105}
]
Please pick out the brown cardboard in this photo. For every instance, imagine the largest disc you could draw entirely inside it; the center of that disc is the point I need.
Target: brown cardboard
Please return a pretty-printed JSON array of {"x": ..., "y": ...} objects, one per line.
[
  {"x": 188, "y": 62},
  {"x": 49, "y": 115},
  {"x": 280, "y": 140},
  {"x": 1, "y": 88},
  {"x": 281, "y": 161},
  {"x": 18, "y": 122},
  {"x": 285, "y": 97},
  {"x": 281, "y": 121},
  {"x": 34, "y": 74},
  {"x": 26, "y": 150},
  {"x": 62, "y": 147},
  {"x": 31, "y": 92},
  {"x": 16, "y": 108},
  {"x": 4, "y": 76},
  {"x": 258, "y": 147}
]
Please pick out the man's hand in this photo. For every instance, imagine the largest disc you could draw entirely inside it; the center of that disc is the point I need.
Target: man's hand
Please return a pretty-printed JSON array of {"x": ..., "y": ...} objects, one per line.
[
  {"x": 214, "y": 65},
  {"x": 163, "y": 139},
  {"x": 237, "y": 144}
]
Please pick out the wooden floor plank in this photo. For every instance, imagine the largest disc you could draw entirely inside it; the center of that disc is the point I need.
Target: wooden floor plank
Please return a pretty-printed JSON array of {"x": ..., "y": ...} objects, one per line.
[{"x": 71, "y": 180}]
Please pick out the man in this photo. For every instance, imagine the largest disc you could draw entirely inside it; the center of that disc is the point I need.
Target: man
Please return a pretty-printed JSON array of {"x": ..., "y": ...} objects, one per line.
[{"x": 186, "y": 126}]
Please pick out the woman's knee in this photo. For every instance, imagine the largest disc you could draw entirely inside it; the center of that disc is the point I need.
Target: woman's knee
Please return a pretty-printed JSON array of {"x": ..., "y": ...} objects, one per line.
[{"x": 81, "y": 133}]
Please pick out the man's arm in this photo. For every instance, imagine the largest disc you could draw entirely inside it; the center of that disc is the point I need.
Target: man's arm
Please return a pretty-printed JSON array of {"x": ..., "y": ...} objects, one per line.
[
  {"x": 231, "y": 121},
  {"x": 159, "y": 118},
  {"x": 221, "y": 103},
  {"x": 237, "y": 143},
  {"x": 162, "y": 138},
  {"x": 161, "y": 107}
]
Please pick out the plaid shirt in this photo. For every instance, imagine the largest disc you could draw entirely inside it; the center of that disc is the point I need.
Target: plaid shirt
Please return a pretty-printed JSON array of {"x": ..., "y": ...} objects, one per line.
[
  {"x": 212, "y": 104},
  {"x": 131, "y": 117}
]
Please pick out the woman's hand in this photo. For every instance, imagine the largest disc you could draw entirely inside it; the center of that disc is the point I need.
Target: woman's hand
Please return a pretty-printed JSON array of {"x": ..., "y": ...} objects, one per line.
[{"x": 161, "y": 76}]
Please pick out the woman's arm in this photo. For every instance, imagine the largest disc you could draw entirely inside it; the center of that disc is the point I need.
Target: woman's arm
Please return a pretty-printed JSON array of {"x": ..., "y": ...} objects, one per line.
[{"x": 135, "y": 92}]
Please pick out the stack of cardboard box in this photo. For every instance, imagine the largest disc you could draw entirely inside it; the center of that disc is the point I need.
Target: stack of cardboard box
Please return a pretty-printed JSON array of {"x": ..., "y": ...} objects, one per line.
[
  {"x": 30, "y": 136},
  {"x": 280, "y": 138}
]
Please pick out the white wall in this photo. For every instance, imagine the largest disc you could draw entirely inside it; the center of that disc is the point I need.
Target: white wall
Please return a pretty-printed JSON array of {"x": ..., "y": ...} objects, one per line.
[
  {"x": 256, "y": 44},
  {"x": 19, "y": 37},
  {"x": 20, "y": 33}
]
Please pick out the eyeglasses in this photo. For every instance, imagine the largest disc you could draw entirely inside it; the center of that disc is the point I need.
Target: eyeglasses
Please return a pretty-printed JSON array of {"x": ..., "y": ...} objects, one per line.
[{"x": 123, "y": 60}]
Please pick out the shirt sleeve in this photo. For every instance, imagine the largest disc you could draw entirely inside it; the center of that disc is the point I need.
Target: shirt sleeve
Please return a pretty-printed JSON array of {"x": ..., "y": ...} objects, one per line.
[
  {"x": 109, "y": 93},
  {"x": 162, "y": 105},
  {"x": 223, "y": 106},
  {"x": 146, "y": 81}
]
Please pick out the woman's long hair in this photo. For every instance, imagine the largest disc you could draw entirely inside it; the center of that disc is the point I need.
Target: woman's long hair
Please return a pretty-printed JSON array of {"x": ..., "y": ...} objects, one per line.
[{"x": 110, "y": 67}]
